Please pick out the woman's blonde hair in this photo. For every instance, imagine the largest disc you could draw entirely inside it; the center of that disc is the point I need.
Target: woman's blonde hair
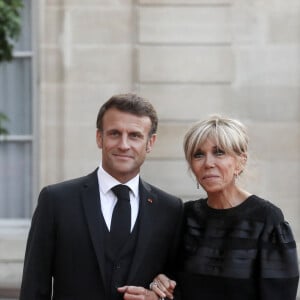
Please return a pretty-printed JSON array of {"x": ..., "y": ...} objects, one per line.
[{"x": 229, "y": 134}]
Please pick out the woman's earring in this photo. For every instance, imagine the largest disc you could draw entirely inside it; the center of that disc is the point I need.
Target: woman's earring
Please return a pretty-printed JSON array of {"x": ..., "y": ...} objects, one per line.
[{"x": 198, "y": 185}]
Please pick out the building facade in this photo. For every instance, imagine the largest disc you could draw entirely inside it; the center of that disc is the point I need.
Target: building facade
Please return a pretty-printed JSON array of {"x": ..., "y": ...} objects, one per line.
[{"x": 190, "y": 58}]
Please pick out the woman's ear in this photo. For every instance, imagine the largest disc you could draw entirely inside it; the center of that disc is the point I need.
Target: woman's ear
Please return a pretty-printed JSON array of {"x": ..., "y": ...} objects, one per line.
[{"x": 242, "y": 163}]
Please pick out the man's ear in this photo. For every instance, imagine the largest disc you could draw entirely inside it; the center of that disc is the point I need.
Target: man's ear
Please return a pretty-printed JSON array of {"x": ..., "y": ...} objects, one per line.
[
  {"x": 150, "y": 143},
  {"x": 99, "y": 138}
]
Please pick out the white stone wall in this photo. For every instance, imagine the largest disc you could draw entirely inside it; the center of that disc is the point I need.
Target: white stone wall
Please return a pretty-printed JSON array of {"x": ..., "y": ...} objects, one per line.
[
  {"x": 86, "y": 56},
  {"x": 236, "y": 58},
  {"x": 13, "y": 236},
  {"x": 191, "y": 58}
]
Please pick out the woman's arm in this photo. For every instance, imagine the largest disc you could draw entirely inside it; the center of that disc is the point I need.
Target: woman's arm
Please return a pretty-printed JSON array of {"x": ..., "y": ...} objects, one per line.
[{"x": 279, "y": 273}]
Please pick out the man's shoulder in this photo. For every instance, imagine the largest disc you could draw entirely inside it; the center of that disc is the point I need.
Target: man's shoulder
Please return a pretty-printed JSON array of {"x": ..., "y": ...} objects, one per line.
[
  {"x": 73, "y": 183},
  {"x": 164, "y": 195}
]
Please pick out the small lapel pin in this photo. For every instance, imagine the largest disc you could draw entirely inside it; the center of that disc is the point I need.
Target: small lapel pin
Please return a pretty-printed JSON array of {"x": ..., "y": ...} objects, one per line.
[{"x": 150, "y": 200}]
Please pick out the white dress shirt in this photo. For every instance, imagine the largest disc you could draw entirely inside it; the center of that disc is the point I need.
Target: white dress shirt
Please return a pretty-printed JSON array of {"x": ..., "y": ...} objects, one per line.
[{"x": 108, "y": 199}]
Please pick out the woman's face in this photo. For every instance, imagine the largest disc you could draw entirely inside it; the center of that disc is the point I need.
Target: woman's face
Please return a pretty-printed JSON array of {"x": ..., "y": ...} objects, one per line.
[{"x": 214, "y": 169}]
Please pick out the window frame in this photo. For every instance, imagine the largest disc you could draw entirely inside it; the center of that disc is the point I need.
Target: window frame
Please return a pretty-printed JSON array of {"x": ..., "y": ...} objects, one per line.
[{"x": 7, "y": 222}]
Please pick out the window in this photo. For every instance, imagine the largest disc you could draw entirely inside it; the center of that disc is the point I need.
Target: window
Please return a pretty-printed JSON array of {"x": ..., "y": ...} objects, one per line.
[{"x": 16, "y": 149}]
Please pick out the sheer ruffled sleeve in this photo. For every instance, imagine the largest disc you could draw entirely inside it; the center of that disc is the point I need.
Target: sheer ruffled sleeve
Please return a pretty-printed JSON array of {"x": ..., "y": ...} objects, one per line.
[{"x": 279, "y": 273}]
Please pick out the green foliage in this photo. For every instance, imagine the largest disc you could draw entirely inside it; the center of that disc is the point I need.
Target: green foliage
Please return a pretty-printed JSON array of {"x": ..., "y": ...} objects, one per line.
[
  {"x": 10, "y": 26},
  {"x": 3, "y": 118}
]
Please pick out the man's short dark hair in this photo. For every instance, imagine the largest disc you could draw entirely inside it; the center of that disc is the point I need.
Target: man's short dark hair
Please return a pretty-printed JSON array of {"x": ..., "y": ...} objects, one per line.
[{"x": 130, "y": 103}]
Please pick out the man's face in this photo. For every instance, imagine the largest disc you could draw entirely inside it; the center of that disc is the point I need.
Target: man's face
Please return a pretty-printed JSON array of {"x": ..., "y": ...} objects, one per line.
[{"x": 124, "y": 142}]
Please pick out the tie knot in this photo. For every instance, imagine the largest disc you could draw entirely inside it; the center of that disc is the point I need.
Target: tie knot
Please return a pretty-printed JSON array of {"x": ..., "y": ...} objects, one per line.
[{"x": 121, "y": 191}]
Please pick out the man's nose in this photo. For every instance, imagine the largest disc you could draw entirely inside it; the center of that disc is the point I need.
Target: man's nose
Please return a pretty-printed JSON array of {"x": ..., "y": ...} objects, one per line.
[{"x": 124, "y": 143}]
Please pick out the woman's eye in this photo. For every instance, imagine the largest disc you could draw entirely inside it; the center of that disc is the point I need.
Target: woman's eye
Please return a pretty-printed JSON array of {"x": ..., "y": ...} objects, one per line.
[
  {"x": 198, "y": 154},
  {"x": 219, "y": 152}
]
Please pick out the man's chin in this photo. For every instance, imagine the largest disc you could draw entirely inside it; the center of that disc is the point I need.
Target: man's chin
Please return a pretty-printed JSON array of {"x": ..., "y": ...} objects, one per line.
[{"x": 123, "y": 167}]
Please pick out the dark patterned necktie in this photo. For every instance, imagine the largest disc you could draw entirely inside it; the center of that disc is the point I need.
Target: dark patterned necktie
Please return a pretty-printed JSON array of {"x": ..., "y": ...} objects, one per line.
[{"x": 121, "y": 217}]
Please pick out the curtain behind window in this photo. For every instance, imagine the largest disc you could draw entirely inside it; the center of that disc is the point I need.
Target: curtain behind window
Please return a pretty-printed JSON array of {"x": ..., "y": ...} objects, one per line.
[{"x": 16, "y": 148}]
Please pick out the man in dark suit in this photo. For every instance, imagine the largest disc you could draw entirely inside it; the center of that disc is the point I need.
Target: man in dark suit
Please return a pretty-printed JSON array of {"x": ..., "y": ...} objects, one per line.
[{"x": 71, "y": 251}]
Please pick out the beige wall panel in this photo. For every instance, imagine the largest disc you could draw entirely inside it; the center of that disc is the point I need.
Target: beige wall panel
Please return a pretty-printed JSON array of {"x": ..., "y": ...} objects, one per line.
[
  {"x": 51, "y": 154},
  {"x": 52, "y": 26},
  {"x": 170, "y": 175},
  {"x": 265, "y": 22},
  {"x": 169, "y": 141},
  {"x": 267, "y": 65},
  {"x": 281, "y": 20},
  {"x": 51, "y": 108},
  {"x": 282, "y": 180},
  {"x": 181, "y": 24},
  {"x": 284, "y": 26},
  {"x": 187, "y": 102},
  {"x": 262, "y": 103},
  {"x": 102, "y": 25},
  {"x": 13, "y": 236},
  {"x": 81, "y": 151},
  {"x": 101, "y": 65},
  {"x": 83, "y": 101},
  {"x": 249, "y": 25},
  {"x": 275, "y": 180},
  {"x": 271, "y": 141},
  {"x": 12, "y": 248},
  {"x": 85, "y": 166},
  {"x": 50, "y": 133},
  {"x": 52, "y": 70},
  {"x": 185, "y": 2},
  {"x": 89, "y": 2},
  {"x": 291, "y": 208},
  {"x": 11, "y": 274},
  {"x": 185, "y": 64}
]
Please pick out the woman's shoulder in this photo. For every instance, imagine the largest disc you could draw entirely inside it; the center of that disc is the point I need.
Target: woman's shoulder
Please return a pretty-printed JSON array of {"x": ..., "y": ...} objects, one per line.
[
  {"x": 195, "y": 208},
  {"x": 190, "y": 204},
  {"x": 270, "y": 210}
]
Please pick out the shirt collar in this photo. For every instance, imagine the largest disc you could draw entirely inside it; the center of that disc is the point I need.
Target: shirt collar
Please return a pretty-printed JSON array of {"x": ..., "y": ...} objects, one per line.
[{"x": 106, "y": 182}]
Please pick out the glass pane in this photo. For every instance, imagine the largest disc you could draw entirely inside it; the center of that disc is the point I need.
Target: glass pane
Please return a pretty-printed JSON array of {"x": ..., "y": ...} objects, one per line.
[
  {"x": 24, "y": 41},
  {"x": 15, "y": 180},
  {"x": 16, "y": 94}
]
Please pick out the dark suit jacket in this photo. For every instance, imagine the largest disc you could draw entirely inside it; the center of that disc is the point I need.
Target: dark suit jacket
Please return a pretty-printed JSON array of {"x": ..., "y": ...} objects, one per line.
[{"x": 65, "y": 242}]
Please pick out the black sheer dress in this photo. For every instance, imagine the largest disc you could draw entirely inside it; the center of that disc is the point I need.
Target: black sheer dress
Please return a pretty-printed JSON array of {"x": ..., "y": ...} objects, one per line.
[{"x": 242, "y": 253}]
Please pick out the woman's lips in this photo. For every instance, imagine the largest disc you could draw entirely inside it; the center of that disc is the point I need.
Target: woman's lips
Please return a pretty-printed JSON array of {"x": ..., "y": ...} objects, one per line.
[{"x": 210, "y": 176}]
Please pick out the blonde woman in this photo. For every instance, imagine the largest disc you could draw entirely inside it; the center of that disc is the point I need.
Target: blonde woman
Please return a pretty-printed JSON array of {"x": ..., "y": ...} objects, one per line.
[{"x": 235, "y": 244}]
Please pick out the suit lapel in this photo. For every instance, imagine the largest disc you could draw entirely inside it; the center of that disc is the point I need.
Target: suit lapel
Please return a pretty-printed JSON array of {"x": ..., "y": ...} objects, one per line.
[
  {"x": 146, "y": 219},
  {"x": 91, "y": 203}
]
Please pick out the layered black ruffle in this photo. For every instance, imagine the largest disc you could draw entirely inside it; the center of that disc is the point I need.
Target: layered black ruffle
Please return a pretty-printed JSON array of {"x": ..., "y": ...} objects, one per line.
[{"x": 251, "y": 244}]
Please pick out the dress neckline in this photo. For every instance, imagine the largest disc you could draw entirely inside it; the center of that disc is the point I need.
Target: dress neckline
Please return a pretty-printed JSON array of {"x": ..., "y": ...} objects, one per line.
[{"x": 232, "y": 210}]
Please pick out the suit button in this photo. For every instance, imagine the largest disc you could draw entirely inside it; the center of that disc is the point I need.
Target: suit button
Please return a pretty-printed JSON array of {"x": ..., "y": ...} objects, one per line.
[{"x": 118, "y": 266}]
